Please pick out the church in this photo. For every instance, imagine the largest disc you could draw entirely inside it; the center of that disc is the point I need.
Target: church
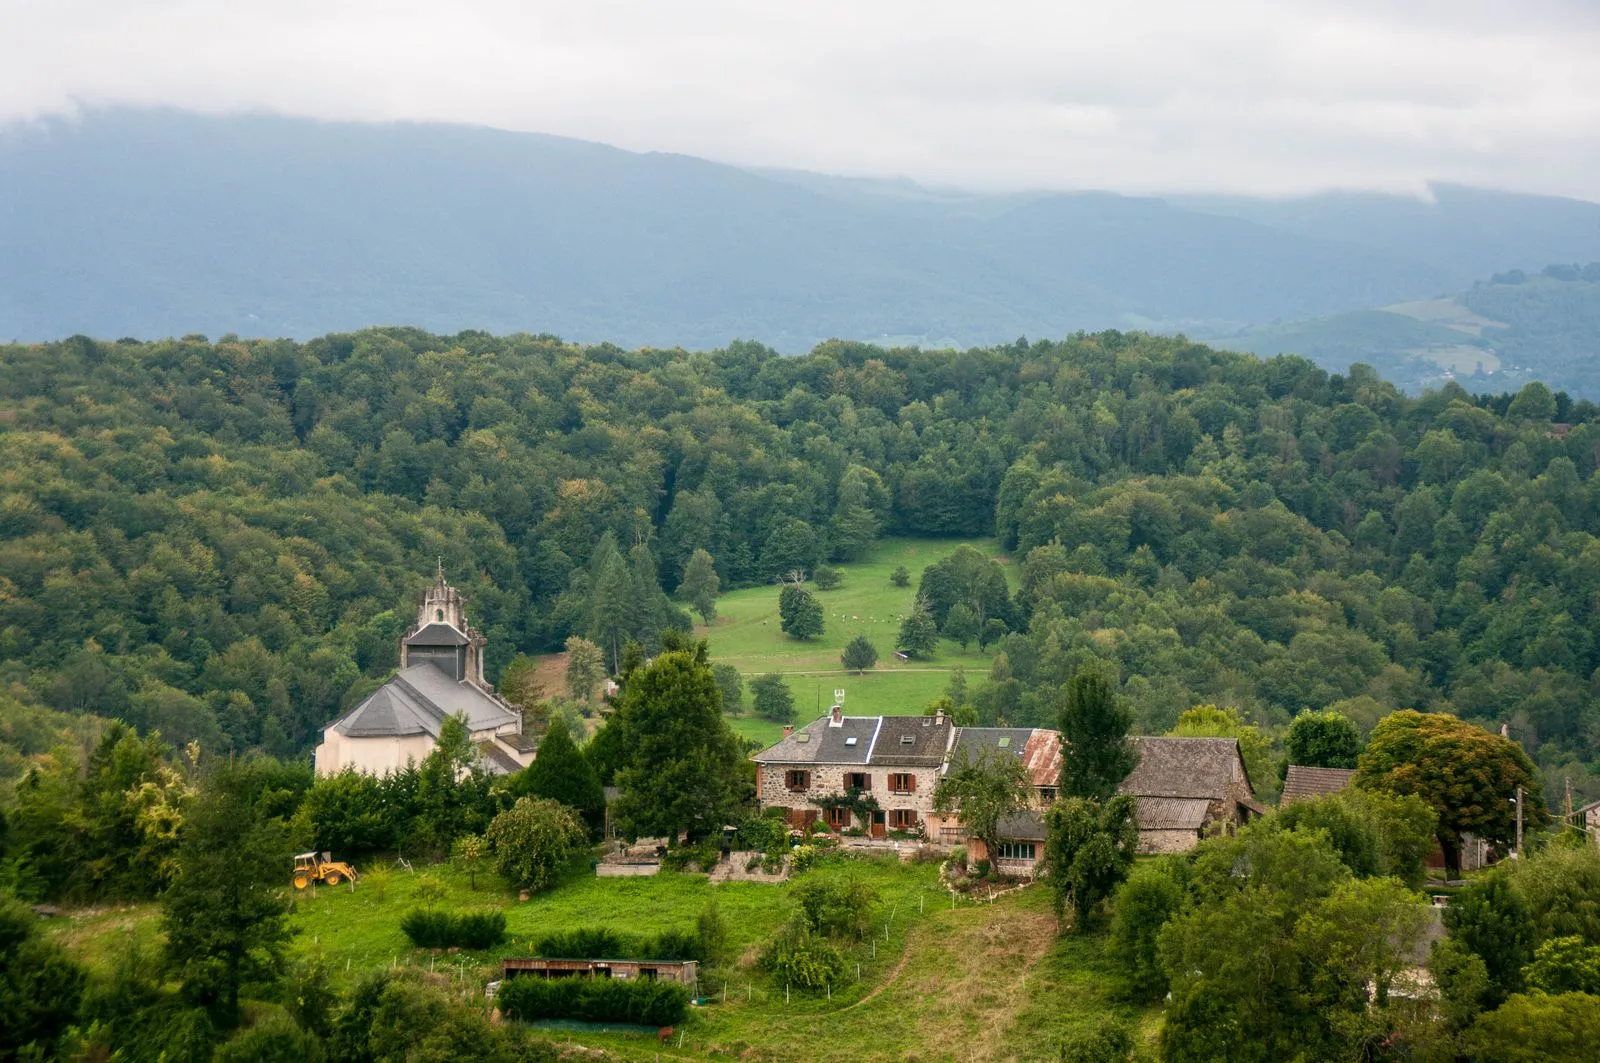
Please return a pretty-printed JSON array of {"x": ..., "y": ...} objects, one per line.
[{"x": 441, "y": 675}]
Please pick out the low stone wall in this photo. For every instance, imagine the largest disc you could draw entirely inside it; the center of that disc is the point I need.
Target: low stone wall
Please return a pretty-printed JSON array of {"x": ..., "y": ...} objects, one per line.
[
  {"x": 625, "y": 870},
  {"x": 737, "y": 869}
]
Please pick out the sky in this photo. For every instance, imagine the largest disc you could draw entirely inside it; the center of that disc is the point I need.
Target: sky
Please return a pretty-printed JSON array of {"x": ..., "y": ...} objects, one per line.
[{"x": 1273, "y": 97}]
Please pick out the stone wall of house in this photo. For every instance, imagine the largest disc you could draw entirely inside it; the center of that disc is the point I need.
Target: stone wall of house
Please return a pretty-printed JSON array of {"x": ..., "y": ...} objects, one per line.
[
  {"x": 1167, "y": 841},
  {"x": 828, "y": 779}
]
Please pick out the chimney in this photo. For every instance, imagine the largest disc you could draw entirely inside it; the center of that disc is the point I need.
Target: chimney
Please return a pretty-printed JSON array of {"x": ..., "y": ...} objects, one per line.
[
  {"x": 788, "y": 729},
  {"x": 938, "y": 717},
  {"x": 836, "y": 716},
  {"x": 1505, "y": 730}
]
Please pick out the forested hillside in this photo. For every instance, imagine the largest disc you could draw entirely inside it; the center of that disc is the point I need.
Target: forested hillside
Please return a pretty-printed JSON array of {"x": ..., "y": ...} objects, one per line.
[{"x": 223, "y": 540}]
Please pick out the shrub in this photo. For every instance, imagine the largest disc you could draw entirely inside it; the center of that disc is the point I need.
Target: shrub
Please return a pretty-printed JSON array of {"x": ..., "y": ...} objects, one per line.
[
  {"x": 958, "y": 858},
  {"x": 645, "y": 1002},
  {"x": 432, "y": 929},
  {"x": 599, "y": 943},
  {"x": 800, "y": 957},
  {"x": 900, "y": 577},
  {"x": 269, "y": 1041},
  {"x": 805, "y": 857},
  {"x": 1108, "y": 1041},
  {"x": 826, "y": 577},
  {"x": 533, "y": 839},
  {"x": 759, "y": 835},
  {"x": 835, "y": 905}
]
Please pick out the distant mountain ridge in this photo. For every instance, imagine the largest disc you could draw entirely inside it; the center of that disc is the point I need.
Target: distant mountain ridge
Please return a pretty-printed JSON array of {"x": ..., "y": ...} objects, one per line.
[
  {"x": 1492, "y": 337},
  {"x": 153, "y": 222}
]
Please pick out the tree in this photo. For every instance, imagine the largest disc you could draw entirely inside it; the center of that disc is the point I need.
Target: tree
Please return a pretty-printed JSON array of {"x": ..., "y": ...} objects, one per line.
[
  {"x": 1561, "y": 886},
  {"x": 1490, "y": 920},
  {"x": 40, "y": 987},
  {"x": 1466, "y": 775},
  {"x": 1152, "y": 895},
  {"x": 276, "y": 1039},
  {"x": 610, "y": 599},
  {"x": 712, "y": 930},
  {"x": 960, "y": 624},
  {"x": 700, "y": 585},
  {"x": 519, "y": 683},
  {"x": 586, "y": 668},
  {"x": 560, "y": 772},
  {"x": 826, "y": 577},
  {"x": 900, "y": 577},
  {"x": 452, "y": 789},
  {"x": 1323, "y": 740},
  {"x": 800, "y": 613},
  {"x": 772, "y": 697},
  {"x": 984, "y": 792},
  {"x": 1088, "y": 851},
  {"x": 731, "y": 683},
  {"x": 1096, "y": 752},
  {"x": 470, "y": 851},
  {"x": 225, "y": 915},
  {"x": 1538, "y": 1028},
  {"x": 859, "y": 654},
  {"x": 533, "y": 840},
  {"x": 1564, "y": 965},
  {"x": 857, "y": 515},
  {"x": 683, "y": 770},
  {"x": 919, "y": 633}
]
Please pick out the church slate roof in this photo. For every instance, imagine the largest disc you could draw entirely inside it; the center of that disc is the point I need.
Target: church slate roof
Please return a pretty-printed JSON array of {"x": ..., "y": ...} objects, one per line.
[
  {"x": 417, "y": 701},
  {"x": 437, "y": 635}
]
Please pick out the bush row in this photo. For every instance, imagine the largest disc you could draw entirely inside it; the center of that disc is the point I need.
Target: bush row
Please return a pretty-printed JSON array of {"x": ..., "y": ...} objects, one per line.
[
  {"x": 598, "y": 943},
  {"x": 430, "y": 929},
  {"x": 645, "y": 1002}
]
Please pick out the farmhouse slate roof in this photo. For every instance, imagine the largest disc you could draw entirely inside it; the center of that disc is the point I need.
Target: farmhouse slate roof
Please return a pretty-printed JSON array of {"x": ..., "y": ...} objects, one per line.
[
  {"x": 1185, "y": 767},
  {"x": 818, "y": 743},
  {"x": 1022, "y": 827},
  {"x": 1303, "y": 783},
  {"x": 911, "y": 742},
  {"x": 1040, "y": 749}
]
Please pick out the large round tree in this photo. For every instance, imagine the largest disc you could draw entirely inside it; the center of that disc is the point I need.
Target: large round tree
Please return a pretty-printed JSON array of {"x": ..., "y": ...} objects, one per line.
[{"x": 1465, "y": 774}]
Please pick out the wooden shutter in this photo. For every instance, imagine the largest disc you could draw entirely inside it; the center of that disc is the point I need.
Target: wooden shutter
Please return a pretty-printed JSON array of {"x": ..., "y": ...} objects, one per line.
[{"x": 911, "y": 783}]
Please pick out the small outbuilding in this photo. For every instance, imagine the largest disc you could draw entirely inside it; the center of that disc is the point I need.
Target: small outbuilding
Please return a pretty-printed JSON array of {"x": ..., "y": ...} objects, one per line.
[{"x": 684, "y": 972}]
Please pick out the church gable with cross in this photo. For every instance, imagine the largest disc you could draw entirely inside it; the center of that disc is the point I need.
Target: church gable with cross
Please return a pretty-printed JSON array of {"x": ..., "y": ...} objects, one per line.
[{"x": 440, "y": 675}]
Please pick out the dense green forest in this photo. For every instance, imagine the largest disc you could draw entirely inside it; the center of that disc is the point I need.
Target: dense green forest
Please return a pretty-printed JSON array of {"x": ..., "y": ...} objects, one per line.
[{"x": 223, "y": 540}]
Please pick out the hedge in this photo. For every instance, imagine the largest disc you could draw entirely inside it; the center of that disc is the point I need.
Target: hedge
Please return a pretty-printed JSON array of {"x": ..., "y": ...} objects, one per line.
[
  {"x": 646, "y": 1002},
  {"x": 598, "y": 943},
  {"x": 429, "y": 929}
]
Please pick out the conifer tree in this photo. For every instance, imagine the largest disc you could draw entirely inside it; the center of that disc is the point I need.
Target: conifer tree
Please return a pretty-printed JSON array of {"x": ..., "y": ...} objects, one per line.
[
  {"x": 1096, "y": 754},
  {"x": 562, "y": 773},
  {"x": 700, "y": 585}
]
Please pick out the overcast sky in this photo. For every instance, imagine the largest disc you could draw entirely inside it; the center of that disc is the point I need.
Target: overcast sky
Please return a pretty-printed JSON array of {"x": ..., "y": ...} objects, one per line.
[{"x": 1270, "y": 96}]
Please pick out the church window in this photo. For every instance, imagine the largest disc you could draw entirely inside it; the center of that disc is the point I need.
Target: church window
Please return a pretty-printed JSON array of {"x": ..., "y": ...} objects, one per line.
[{"x": 438, "y": 614}]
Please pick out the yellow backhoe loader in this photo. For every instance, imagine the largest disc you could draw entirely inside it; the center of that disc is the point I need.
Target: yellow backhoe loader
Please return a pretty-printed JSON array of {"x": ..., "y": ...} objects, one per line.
[{"x": 320, "y": 867}]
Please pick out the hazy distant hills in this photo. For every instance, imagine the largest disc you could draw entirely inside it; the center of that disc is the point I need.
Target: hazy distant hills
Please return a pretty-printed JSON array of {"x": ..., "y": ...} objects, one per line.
[
  {"x": 1493, "y": 336},
  {"x": 150, "y": 223}
]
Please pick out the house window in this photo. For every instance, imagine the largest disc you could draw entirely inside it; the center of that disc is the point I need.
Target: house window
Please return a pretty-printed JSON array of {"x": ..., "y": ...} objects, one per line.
[
  {"x": 797, "y": 780},
  {"x": 1047, "y": 794},
  {"x": 857, "y": 780},
  {"x": 1017, "y": 851},
  {"x": 838, "y": 817},
  {"x": 902, "y": 782},
  {"x": 902, "y": 819}
]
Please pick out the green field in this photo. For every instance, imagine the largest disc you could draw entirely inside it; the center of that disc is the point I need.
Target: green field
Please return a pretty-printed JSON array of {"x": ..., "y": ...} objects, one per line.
[
  {"x": 746, "y": 635},
  {"x": 968, "y": 981}
]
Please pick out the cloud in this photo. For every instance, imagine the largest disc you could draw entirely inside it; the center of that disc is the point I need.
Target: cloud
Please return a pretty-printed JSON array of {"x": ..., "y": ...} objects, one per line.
[{"x": 1147, "y": 95}]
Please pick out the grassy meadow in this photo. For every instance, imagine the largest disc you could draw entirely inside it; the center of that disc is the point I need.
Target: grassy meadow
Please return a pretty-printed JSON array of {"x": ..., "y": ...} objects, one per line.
[
  {"x": 970, "y": 981},
  {"x": 746, "y": 635}
]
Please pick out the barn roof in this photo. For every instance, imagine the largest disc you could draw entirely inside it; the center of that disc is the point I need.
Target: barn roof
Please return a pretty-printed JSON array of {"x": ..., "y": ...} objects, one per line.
[
  {"x": 1303, "y": 783},
  {"x": 1040, "y": 749},
  {"x": 1185, "y": 767}
]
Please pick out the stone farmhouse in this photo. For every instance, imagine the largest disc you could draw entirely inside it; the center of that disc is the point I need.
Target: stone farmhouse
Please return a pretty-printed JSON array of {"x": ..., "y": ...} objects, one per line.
[
  {"x": 1186, "y": 788},
  {"x": 879, "y": 773},
  {"x": 440, "y": 675},
  {"x": 893, "y": 760}
]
